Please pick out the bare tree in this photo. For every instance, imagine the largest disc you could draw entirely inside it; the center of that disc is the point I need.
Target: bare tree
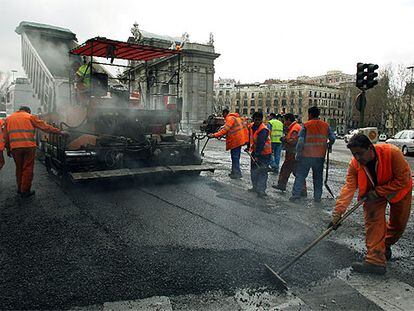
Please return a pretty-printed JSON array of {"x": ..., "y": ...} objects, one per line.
[{"x": 397, "y": 108}]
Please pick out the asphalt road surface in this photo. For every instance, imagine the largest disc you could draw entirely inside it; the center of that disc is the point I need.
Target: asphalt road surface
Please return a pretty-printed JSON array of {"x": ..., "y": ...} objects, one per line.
[{"x": 186, "y": 244}]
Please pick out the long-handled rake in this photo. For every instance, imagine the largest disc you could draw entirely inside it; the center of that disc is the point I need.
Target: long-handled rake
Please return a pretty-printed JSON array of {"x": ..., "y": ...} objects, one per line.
[{"x": 281, "y": 282}]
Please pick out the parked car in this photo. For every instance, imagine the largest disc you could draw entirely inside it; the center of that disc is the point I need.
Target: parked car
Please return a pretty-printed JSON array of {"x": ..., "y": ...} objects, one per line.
[
  {"x": 403, "y": 140},
  {"x": 382, "y": 137}
]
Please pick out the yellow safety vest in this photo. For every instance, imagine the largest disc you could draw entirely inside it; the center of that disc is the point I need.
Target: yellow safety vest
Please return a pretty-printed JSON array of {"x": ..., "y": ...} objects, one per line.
[{"x": 277, "y": 131}]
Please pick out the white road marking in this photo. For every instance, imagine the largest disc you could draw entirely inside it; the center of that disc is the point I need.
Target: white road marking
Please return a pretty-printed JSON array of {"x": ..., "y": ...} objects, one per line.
[{"x": 388, "y": 293}]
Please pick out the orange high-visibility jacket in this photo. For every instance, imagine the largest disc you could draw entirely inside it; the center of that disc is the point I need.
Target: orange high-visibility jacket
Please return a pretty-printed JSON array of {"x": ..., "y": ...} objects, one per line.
[
  {"x": 316, "y": 139},
  {"x": 235, "y": 131},
  {"x": 267, "y": 149},
  {"x": 291, "y": 139},
  {"x": 20, "y": 129},
  {"x": 393, "y": 178},
  {"x": 1, "y": 135}
]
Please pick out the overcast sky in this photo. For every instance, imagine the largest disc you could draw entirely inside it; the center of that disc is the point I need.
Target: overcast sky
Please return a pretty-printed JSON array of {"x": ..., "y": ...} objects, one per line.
[{"x": 256, "y": 39}]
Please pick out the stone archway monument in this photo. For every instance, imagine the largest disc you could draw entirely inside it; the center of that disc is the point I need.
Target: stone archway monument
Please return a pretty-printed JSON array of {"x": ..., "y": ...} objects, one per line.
[{"x": 194, "y": 88}]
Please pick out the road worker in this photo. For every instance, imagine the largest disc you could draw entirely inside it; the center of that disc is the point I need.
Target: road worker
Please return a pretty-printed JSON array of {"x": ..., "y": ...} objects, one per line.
[
  {"x": 236, "y": 137},
  {"x": 276, "y": 132},
  {"x": 289, "y": 142},
  {"x": 310, "y": 153},
  {"x": 260, "y": 149},
  {"x": 383, "y": 176},
  {"x": 82, "y": 80},
  {"x": 21, "y": 145},
  {"x": 1, "y": 143}
]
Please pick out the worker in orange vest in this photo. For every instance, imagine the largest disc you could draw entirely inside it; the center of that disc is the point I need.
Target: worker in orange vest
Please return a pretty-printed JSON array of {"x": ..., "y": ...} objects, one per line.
[
  {"x": 1, "y": 143},
  {"x": 21, "y": 145},
  {"x": 289, "y": 143},
  {"x": 383, "y": 176},
  {"x": 260, "y": 148},
  {"x": 236, "y": 137},
  {"x": 310, "y": 153}
]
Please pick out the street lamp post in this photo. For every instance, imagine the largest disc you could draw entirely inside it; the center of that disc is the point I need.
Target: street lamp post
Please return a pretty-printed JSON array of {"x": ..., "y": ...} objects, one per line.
[{"x": 410, "y": 95}]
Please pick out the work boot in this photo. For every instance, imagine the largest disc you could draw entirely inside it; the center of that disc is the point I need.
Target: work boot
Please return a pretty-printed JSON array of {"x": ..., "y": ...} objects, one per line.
[
  {"x": 366, "y": 267},
  {"x": 261, "y": 194},
  {"x": 235, "y": 175},
  {"x": 278, "y": 187},
  {"x": 294, "y": 198},
  {"x": 388, "y": 252},
  {"x": 304, "y": 194},
  {"x": 316, "y": 200},
  {"x": 252, "y": 190},
  {"x": 27, "y": 194}
]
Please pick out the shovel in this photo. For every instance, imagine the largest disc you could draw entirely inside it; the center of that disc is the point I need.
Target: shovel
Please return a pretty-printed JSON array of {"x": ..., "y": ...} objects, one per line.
[{"x": 281, "y": 282}]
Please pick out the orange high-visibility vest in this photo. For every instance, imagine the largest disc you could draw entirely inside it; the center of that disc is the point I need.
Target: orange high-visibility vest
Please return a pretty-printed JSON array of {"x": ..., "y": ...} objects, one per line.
[
  {"x": 267, "y": 149},
  {"x": 1, "y": 135},
  {"x": 384, "y": 173},
  {"x": 316, "y": 139},
  {"x": 294, "y": 127},
  {"x": 20, "y": 131},
  {"x": 236, "y": 134}
]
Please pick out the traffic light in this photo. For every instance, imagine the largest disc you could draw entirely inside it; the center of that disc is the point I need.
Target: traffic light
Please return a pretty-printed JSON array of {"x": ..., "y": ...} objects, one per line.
[
  {"x": 361, "y": 74},
  {"x": 371, "y": 82},
  {"x": 365, "y": 77}
]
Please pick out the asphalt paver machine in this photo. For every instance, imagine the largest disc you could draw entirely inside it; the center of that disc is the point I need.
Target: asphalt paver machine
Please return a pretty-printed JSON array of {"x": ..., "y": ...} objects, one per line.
[{"x": 111, "y": 132}]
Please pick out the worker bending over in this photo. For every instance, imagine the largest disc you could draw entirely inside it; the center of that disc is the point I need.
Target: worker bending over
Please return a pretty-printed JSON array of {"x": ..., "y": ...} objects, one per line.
[
  {"x": 382, "y": 176},
  {"x": 21, "y": 145},
  {"x": 260, "y": 150},
  {"x": 236, "y": 136}
]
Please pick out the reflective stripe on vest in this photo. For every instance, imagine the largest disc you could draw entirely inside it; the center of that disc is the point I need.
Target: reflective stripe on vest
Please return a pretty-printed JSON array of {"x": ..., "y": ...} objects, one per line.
[
  {"x": 384, "y": 174},
  {"x": 277, "y": 131},
  {"x": 267, "y": 149},
  {"x": 316, "y": 139}
]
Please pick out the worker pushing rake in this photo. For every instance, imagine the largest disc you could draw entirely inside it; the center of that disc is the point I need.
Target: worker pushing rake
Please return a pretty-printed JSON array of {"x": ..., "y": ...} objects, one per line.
[{"x": 383, "y": 177}]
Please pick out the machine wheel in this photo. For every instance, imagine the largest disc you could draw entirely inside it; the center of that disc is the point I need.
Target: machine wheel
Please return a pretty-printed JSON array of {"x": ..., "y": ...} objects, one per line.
[{"x": 405, "y": 150}]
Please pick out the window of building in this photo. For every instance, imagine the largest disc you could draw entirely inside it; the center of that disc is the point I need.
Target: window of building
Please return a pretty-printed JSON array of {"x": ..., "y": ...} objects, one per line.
[
  {"x": 300, "y": 102},
  {"x": 284, "y": 102},
  {"x": 227, "y": 93},
  {"x": 237, "y": 110},
  {"x": 252, "y": 95},
  {"x": 310, "y": 93},
  {"x": 310, "y": 102},
  {"x": 244, "y": 111},
  {"x": 252, "y": 110},
  {"x": 220, "y": 92}
]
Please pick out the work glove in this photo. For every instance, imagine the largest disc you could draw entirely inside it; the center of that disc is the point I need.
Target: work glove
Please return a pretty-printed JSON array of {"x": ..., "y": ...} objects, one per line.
[
  {"x": 371, "y": 196},
  {"x": 210, "y": 135},
  {"x": 335, "y": 219}
]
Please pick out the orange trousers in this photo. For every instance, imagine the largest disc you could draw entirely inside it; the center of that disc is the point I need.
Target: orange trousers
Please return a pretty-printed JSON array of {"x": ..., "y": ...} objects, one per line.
[
  {"x": 378, "y": 232},
  {"x": 1, "y": 160},
  {"x": 24, "y": 159}
]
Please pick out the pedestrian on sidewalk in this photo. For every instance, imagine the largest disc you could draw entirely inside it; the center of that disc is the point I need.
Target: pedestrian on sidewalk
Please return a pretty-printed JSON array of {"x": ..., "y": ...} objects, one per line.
[
  {"x": 236, "y": 136},
  {"x": 21, "y": 145},
  {"x": 260, "y": 149},
  {"x": 311, "y": 149},
  {"x": 275, "y": 126},
  {"x": 1, "y": 143},
  {"x": 289, "y": 143},
  {"x": 382, "y": 176}
]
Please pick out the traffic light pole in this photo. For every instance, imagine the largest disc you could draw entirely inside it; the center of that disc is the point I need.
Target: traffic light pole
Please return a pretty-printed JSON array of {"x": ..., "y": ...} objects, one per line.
[{"x": 360, "y": 104}]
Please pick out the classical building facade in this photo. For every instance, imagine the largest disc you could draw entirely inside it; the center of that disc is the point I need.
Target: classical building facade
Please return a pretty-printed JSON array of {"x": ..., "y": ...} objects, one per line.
[{"x": 283, "y": 97}]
